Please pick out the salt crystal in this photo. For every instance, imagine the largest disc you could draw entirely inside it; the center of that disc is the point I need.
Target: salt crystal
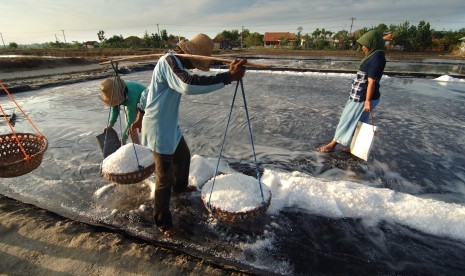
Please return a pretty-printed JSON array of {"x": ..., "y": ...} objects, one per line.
[
  {"x": 124, "y": 159},
  {"x": 235, "y": 193}
]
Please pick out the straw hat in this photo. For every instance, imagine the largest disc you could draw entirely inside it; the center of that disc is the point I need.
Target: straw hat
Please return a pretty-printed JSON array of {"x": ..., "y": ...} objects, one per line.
[
  {"x": 201, "y": 45},
  {"x": 112, "y": 86}
]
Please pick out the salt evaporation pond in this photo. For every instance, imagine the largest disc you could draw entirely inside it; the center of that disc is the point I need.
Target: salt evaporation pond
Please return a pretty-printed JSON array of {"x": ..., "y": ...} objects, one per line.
[{"x": 403, "y": 212}]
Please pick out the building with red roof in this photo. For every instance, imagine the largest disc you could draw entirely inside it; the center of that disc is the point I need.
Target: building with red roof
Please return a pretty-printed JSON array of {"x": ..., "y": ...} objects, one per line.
[{"x": 275, "y": 39}]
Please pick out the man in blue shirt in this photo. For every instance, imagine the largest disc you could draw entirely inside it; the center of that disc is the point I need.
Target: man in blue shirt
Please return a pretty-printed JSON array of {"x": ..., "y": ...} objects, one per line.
[{"x": 158, "y": 118}]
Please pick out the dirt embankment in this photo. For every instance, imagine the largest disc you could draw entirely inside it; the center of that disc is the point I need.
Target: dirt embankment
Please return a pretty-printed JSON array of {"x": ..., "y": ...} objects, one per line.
[
  {"x": 35, "y": 62},
  {"x": 37, "y": 242},
  {"x": 102, "y": 54}
]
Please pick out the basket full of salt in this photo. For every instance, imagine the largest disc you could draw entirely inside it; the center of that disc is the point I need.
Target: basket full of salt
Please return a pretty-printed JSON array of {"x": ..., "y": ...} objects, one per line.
[
  {"x": 236, "y": 198},
  {"x": 130, "y": 164}
]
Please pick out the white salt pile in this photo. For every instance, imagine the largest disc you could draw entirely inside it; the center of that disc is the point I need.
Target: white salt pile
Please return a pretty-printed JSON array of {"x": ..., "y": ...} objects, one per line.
[
  {"x": 447, "y": 78},
  {"x": 202, "y": 169},
  {"x": 444, "y": 78},
  {"x": 235, "y": 193},
  {"x": 124, "y": 159}
]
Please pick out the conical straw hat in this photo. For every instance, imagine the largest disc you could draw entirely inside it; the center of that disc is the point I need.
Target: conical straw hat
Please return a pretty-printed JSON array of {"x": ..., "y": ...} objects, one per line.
[
  {"x": 112, "y": 91},
  {"x": 201, "y": 45}
]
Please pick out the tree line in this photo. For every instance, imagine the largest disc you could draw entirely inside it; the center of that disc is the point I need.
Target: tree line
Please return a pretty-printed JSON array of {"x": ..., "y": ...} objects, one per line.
[{"x": 408, "y": 37}]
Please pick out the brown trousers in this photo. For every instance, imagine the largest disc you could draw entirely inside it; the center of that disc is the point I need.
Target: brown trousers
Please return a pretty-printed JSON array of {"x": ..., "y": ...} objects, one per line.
[{"x": 172, "y": 173}]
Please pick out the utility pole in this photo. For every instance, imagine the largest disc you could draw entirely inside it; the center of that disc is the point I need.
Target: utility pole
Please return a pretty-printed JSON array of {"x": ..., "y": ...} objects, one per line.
[
  {"x": 3, "y": 41},
  {"x": 241, "y": 34},
  {"x": 158, "y": 31},
  {"x": 351, "y": 24},
  {"x": 63, "y": 31}
]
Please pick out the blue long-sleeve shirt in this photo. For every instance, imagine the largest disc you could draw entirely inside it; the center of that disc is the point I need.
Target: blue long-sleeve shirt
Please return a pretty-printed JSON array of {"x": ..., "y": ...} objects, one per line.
[{"x": 170, "y": 80}]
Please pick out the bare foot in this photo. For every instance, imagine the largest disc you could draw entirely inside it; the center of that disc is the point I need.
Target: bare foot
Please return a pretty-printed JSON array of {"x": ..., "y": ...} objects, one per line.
[
  {"x": 324, "y": 149},
  {"x": 189, "y": 189},
  {"x": 172, "y": 231},
  {"x": 345, "y": 150}
]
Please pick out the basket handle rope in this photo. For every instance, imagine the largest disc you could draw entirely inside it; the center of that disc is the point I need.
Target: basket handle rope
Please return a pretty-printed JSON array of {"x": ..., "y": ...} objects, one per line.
[
  {"x": 26, "y": 156},
  {"x": 224, "y": 139},
  {"x": 113, "y": 92}
]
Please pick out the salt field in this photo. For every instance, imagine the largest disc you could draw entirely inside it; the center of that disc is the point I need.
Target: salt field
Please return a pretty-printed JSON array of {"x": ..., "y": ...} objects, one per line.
[{"x": 401, "y": 212}]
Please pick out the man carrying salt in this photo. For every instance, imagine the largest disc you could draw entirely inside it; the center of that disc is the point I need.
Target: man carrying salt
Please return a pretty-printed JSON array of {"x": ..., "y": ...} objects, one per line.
[{"x": 158, "y": 118}]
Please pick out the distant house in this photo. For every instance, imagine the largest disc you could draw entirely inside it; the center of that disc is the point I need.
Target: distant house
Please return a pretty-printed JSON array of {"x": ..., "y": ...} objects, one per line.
[
  {"x": 90, "y": 44},
  {"x": 220, "y": 43},
  {"x": 275, "y": 39}
]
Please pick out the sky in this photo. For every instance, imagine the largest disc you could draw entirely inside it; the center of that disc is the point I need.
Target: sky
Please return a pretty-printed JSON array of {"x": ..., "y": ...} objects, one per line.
[{"x": 39, "y": 21}]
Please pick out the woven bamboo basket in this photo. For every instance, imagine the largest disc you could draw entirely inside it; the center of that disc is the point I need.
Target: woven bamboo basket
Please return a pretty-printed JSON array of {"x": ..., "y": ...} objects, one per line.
[
  {"x": 237, "y": 217},
  {"x": 131, "y": 177},
  {"x": 12, "y": 160}
]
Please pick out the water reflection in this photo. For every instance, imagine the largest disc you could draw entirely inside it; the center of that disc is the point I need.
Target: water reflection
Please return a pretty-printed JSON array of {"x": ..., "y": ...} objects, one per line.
[{"x": 425, "y": 66}]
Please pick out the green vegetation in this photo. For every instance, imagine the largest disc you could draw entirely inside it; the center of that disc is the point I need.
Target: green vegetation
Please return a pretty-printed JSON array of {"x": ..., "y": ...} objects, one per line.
[{"x": 407, "y": 37}]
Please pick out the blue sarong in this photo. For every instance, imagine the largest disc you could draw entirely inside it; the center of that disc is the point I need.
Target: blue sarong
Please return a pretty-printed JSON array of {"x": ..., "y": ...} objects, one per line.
[{"x": 351, "y": 115}]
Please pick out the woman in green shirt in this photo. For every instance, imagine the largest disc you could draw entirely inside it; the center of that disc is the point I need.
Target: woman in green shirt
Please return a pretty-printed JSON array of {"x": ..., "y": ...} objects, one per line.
[{"x": 126, "y": 93}]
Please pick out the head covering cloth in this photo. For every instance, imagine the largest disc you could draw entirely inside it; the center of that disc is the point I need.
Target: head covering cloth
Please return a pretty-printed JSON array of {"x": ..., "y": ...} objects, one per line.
[{"x": 374, "y": 41}]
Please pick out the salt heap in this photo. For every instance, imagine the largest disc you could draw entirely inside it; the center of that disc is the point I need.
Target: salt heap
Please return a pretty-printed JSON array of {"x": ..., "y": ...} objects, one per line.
[
  {"x": 235, "y": 193},
  {"x": 124, "y": 159}
]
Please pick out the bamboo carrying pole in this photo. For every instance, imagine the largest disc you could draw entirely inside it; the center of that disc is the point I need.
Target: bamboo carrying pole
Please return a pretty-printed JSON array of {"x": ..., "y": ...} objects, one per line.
[{"x": 225, "y": 60}]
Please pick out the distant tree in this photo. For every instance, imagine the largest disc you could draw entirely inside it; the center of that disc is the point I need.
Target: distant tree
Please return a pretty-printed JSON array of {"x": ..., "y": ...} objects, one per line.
[
  {"x": 284, "y": 41},
  {"x": 423, "y": 37},
  {"x": 133, "y": 42},
  {"x": 383, "y": 28},
  {"x": 243, "y": 35},
  {"x": 146, "y": 39},
  {"x": 164, "y": 35},
  {"x": 232, "y": 37},
  {"x": 319, "y": 39},
  {"x": 413, "y": 38},
  {"x": 254, "y": 39},
  {"x": 101, "y": 36},
  {"x": 114, "y": 42},
  {"x": 326, "y": 34},
  {"x": 13, "y": 45},
  {"x": 449, "y": 38},
  {"x": 152, "y": 40},
  {"x": 307, "y": 39},
  {"x": 360, "y": 32},
  {"x": 316, "y": 33},
  {"x": 299, "y": 37},
  {"x": 76, "y": 45},
  {"x": 342, "y": 40}
]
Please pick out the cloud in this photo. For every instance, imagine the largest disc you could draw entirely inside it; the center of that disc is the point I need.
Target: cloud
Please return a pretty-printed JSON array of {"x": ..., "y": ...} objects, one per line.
[{"x": 29, "y": 20}]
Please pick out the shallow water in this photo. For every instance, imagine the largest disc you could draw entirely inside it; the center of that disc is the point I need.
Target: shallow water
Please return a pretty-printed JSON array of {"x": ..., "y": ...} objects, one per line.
[
  {"x": 401, "y": 212},
  {"x": 411, "y": 66}
]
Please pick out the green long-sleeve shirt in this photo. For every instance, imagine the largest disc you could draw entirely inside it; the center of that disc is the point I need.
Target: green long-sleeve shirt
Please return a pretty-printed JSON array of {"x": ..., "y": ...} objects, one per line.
[{"x": 134, "y": 91}]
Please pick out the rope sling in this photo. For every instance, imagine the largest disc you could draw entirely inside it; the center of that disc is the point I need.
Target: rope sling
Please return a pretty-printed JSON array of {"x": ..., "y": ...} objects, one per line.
[
  {"x": 20, "y": 153},
  {"x": 142, "y": 172},
  {"x": 227, "y": 216}
]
